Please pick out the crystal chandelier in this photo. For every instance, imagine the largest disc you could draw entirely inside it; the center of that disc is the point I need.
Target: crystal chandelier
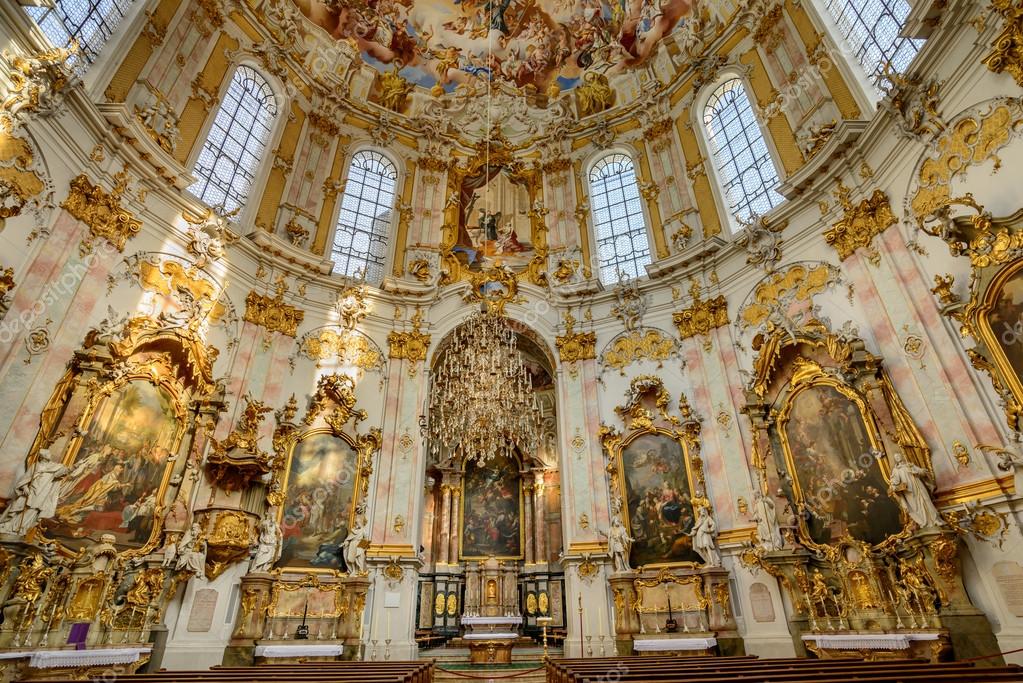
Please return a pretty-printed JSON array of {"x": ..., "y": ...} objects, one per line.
[{"x": 481, "y": 398}]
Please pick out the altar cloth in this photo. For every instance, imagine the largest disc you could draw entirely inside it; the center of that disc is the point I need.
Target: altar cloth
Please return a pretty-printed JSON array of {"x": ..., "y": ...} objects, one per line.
[
  {"x": 868, "y": 641},
  {"x": 323, "y": 650},
  {"x": 667, "y": 644},
  {"x": 54, "y": 659}
]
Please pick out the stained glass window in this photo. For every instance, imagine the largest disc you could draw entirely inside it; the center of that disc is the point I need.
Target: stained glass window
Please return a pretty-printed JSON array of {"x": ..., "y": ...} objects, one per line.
[{"x": 367, "y": 207}]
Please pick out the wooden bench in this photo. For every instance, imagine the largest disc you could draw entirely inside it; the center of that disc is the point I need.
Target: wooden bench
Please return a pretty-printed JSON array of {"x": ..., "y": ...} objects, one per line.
[
  {"x": 660, "y": 669},
  {"x": 315, "y": 672}
]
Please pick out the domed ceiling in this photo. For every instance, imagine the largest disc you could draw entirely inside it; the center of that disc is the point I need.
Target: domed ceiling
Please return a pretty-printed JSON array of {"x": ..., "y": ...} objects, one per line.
[{"x": 439, "y": 44}]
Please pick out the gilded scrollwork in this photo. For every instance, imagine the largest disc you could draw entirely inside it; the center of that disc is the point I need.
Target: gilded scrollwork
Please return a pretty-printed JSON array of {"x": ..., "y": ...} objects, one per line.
[
  {"x": 860, "y": 223},
  {"x": 102, "y": 212}
]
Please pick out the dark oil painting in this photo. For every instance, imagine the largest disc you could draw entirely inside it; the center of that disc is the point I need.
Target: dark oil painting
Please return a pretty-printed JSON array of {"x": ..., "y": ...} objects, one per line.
[{"x": 491, "y": 521}]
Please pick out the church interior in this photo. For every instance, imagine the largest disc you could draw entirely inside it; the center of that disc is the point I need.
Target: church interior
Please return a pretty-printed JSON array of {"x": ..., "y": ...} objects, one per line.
[{"x": 545, "y": 340}]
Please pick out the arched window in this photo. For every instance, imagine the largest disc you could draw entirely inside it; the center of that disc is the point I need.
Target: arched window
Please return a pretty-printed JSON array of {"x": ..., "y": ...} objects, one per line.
[
  {"x": 623, "y": 246},
  {"x": 743, "y": 162},
  {"x": 230, "y": 156},
  {"x": 360, "y": 239},
  {"x": 870, "y": 29},
  {"x": 90, "y": 22}
]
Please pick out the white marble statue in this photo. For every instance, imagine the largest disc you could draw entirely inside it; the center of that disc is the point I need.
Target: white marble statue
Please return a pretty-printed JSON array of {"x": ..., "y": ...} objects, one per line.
[
  {"x": 268, "y": 550},
  {"x": 766, "y": 519},
  {"x": 192, "y": 551},
  {"x": 909, "y": 484},
  {"x": 619, "y": 542},
  {"x": 355, "y": 547},
  {"x": 704, "y": 533},
  {"x": 35, "y": 495},
  {"x": 169, "y": 551}
]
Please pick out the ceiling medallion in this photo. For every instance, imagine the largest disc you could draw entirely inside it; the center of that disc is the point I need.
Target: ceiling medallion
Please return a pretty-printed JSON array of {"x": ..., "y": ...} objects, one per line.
[{"x": 481, "y": 399}]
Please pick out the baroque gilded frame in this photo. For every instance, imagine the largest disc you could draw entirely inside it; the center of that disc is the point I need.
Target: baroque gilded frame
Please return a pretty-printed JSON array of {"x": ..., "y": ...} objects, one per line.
[
  {"x": 499, "y": 155},
  {"x": 645, "y": 412},
  {"x": 330, "y": 409},
  {"x": 176, "y": 360},
  {"x": 995, "y": 247},
  {"x": 783, "y": 370}
]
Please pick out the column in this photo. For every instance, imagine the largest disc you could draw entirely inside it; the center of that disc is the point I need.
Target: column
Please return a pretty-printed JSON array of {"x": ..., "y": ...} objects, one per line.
[
  {"x": 445, "y": 522},
  {"x": 527, "y": 511},
  {"x": 539, "y": 519},
  {"x": 454, "y": 519}
]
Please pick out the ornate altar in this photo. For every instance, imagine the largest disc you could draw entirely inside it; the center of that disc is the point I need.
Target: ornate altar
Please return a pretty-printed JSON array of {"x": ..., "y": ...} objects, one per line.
[
  {"x": 669, "y": 588},
  {"x": 308, "y": 580},
  {"x": 870, "y": 565},
  {"x": 97, "y": 541}
]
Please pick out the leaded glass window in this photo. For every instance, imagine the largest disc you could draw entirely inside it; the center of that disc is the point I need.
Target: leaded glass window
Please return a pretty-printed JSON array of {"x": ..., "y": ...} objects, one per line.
[
  {"x": 90, "y": 22},
  {"x": 367, "y": 207},
  {"x": 623, "y": 246},
  {"x": 871, "y": 31},
  {"x": 743, "y": 162},
  {"x": 233, "y": 150}
]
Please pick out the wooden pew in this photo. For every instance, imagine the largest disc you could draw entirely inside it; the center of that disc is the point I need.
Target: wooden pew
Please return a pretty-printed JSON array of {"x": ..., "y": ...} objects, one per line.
[
  {"x": 313, "y": 672},
  {"x": 742, "y": 669}
]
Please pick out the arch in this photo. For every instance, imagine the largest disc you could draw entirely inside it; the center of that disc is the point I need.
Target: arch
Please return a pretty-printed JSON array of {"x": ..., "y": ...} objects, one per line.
[
  {"x": 366, "y": 214},
  {"x": 871, "y": 30},
  {"x": 619, "y": 222},
  {"x": 232, "y": 154},
  {"x": 744, "y": 166},
  {"x": 523, "y": 330}
]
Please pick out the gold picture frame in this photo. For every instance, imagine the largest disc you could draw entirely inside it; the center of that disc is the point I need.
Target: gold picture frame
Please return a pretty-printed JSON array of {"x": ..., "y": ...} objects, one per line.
[
  {"x": 330, "y": 409},
  {"x": 461, "y": 523},
  {"x": 645, "y": 413}
]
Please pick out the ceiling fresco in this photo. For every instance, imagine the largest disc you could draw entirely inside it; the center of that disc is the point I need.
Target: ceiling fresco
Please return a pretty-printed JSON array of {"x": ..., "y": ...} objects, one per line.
[{"x": 439, "y": 44}]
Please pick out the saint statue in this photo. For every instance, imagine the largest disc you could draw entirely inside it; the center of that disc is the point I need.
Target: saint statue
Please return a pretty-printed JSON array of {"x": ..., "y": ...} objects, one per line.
[
  {"x": 619, "y": 542},
  {"x": 703, "y": 533},
  {"x": 268, "y": 550},
  {"x": 355, "y": 547},
  {"x": 192, "y": 551},
  {"x": 910, "y": 486},
  {"x": 35, "y": 495},
  {"x": 766, "y": 520}
]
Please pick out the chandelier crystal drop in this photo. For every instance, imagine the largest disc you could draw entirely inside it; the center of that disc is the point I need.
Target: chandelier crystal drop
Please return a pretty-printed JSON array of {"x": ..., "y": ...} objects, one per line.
[{"x": 481, "y": 399}]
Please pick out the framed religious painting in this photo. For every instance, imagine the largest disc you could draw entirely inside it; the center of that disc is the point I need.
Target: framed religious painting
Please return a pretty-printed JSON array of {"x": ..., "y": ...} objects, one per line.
[
  {"x": 657, "y": 476},
  {"x": 321, "y": 478},
  {"x": 491, "y": 510},
  {"x": 998, "y": 321},
  {"x": 837, "y": 473},
  {"x": 119, "y": 468}
]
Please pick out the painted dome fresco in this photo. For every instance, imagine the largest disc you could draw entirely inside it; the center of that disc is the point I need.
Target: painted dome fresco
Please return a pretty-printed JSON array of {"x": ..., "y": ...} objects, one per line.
[{"x": 531, "y": 44}]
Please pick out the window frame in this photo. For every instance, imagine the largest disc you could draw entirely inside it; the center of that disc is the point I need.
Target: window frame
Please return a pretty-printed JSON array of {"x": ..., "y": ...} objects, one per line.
[
  {"x": 248, "y": 210},
  {"x": 111, "y": 55},
  {"x": 851, "y": 58},
  {"x": 728, "y": 218},
  {"x": 589, "y": 164},
  {"x": 392, "y": 226},
  {"x": 866, "y": 95}
]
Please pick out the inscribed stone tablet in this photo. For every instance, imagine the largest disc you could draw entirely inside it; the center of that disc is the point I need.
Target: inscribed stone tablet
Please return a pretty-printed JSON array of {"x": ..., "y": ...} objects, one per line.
[
  {"x": 204, "y": 604},
  {"x": 1009, "y": 577},
  {"x": 761, "y": 602}
]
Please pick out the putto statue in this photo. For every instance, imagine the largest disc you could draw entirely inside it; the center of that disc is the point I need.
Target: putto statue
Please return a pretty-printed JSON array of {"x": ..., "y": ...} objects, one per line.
[
  {"x": 269, "y": 549},
  {"x": 704, "y": 532},
  {"x": 35, "y": 495},
  {"x": 355, "y": 546},
  {"x": 911, "y": 486},
  {"x": 766, "y": 519}
]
